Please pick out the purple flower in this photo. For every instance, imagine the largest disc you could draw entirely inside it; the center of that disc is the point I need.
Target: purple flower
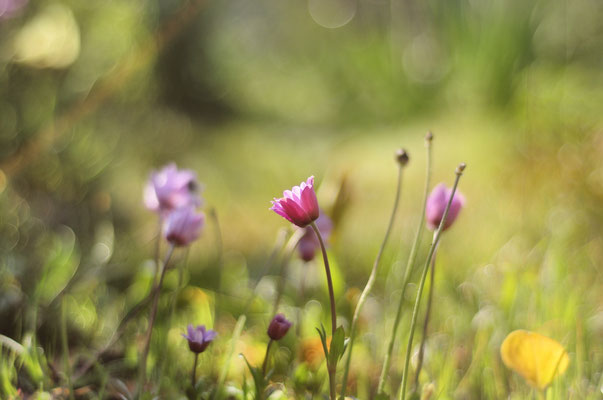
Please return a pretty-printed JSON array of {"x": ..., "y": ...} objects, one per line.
[
  {"x": 10, "y": 8},
  {"x": 299, "y": 205},
  {"x": 278, "y": 327},
  {"x": 171, "y": 188},
  {"x": 436, "y": 204},
  {"x": 183, "y": 225},
  {"x": 199, "y": 338},
  {"x": 309, "y": 244}
]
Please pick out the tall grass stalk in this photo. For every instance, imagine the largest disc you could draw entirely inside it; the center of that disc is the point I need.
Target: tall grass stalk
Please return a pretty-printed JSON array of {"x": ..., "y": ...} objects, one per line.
[
  {"x": 142, "y": 373},
  {"x": 236, "y": 333},
  {"x": 409, "y": 267},
  {"x": 370, "y": 283},
  {"x": 415, "y": 311}
]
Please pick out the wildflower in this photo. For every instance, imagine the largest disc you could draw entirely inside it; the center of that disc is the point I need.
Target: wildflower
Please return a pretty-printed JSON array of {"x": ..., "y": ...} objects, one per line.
[
  {"x": 279, "y": 326},
  {"x": 309, "y": 244},
  {"x": 199, "y": 338},
  {"x": 299, "y": 205},
  {"x": 537, "y": 358},
  {"x": 171, "y": 188},
  {"x": 10, "y": 8},
  {"x": 182, "y": 226},
  {"x": 436, "y": 204}
]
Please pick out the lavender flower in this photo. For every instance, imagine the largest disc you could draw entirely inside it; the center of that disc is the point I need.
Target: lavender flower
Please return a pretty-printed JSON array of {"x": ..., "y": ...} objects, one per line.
[
  {"x": 183, "y": 226},
  {"x": 436, "y": 204},
  {"x": 199, "y": 338},
  {"x": 308, "y": 244},
  {"x": 171, "y": 188}
]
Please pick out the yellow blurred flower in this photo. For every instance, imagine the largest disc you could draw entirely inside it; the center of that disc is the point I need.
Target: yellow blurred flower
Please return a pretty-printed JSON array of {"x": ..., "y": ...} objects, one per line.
[{"x": 537, "y": 358}]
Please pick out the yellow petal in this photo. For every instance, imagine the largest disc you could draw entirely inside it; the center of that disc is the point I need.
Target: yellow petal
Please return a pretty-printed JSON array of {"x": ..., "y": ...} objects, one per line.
[{"x": 535, "y": 357}]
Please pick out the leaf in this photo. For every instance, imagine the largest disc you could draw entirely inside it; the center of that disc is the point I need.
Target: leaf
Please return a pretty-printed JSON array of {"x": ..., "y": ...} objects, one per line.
[
  {"x": 537, "y": 358},
  {"x": 337, "y": 346},
  {"x": 382, "y": 396},
  {"x": 258, "y": 377},
  {"x": 323, "y": 339}
]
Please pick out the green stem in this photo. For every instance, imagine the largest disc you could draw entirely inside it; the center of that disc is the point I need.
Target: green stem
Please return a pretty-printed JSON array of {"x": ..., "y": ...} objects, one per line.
[
  {"x": 370, "y": 283},
  {"x": 265, "y": 364},
  {"x": 426, "y": 323},
  {"x": 194, "y": 373},
  {"x": 65, "y": 345},
  {"x": 332, "y": 369},
  {"x": 415, "y": 311},
  {"x": 142, "y": 373},
  {"x": 407, "y": 273}
]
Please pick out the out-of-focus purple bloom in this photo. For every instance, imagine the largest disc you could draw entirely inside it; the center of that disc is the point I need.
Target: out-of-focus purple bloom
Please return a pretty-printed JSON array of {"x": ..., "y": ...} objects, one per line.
[
  {"x": 278, "y": 327},
  {"x": 10, "y": 8},
  {"x": 199, "y": 338},
  {"x": 436, "y": 204},
  {"x": 183, "y": 225},
  {"x": 299, "y": 205},
  {"x": 308, "y": 244},
  {"x": 171, "y": 188}
]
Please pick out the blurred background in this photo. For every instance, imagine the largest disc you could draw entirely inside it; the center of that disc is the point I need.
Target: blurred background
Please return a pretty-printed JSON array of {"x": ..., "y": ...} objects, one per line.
[{"x": 257, "y": 96}]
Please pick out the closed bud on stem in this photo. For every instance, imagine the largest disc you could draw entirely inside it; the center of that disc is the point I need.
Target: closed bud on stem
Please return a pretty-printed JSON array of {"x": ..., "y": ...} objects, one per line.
[
  {"x": 429, "y": 137},
  {"x": 279, "y": 326},
  {"x": 402, "y": 157}
]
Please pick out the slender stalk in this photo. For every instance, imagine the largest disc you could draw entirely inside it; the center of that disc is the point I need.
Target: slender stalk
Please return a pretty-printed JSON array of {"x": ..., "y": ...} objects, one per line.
[
  {"x": 415, "y": 311},
  {"x": 330, "y": 368},
  {"x": 225, "y": 367},
  {"x": 219, "y": 258},
  {"x": 329, "y": 279},
  {"x": 65, "y": 345},
  {"x": 289, "y": 249},
  {"x": 194, "y": 374},
  {"x": 265, "y": 364},
  {"x": 145, "y": 353},
  {"x": 426, "y": 323},
  {"x": 370, "y": 283},
  {"x": 158, "y": 249},
  {"x": 410, "y": 264}
]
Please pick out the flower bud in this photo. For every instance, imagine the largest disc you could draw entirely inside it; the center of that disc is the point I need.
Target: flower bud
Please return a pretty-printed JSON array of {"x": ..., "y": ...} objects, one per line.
[{"x": 278, "y": 327}]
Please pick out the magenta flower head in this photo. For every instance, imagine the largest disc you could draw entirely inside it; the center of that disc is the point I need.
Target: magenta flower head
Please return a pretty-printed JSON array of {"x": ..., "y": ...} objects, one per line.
[
  {"x": 308, "y": 244},
  {"x": 299, "y": 205},
  {"x": 183, "y": 226},
  {"x": 278, "y": 327},
  {"x": 436, "y": 204},
  {"x": 171, "y": 188},
  {"x": 199, "y": 338}
]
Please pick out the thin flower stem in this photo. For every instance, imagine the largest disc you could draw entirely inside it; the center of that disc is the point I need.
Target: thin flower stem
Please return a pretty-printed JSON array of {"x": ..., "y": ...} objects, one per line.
[
  {"x": 415, "y": 311},
  {"x": 145, "y": 353},
  {"x": 158, "y": 249},
  {"x": 426, "y": 323},
  {"x": 329, "y": 279},
  {"x": 410, "y": 264},
  {"x": 265, "y": 364},
  {"x": 370, "y": 283},
  {"x": 194, "y": 373},
  {"x": 65, "y": 345},
  {"x": 288, "y": 253},
  {"x": 330, "y": 368}
]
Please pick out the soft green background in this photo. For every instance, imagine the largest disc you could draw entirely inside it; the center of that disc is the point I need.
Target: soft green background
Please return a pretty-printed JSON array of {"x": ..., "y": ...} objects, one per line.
[{"x": 255, "y": 97}]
